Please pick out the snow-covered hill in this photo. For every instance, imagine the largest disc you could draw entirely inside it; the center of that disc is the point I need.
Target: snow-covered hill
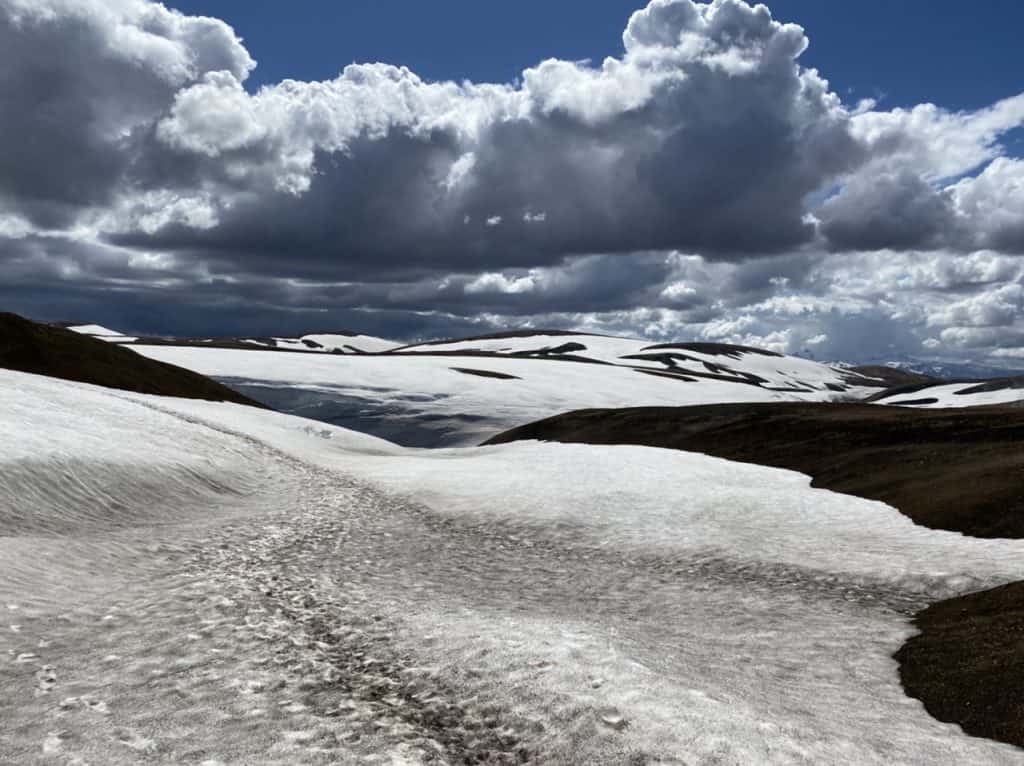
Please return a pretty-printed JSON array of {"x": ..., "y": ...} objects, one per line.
[
  {"x": 327, "y": 343},
  {"x": 963, "y": 394},
  {"x": 101, "y": 332},
  {"x": 462, "y": 393},
  {"x": 319, "y": 594},
  {"x": 704, "y": 360},
  {"x": 945, "y": 369}
]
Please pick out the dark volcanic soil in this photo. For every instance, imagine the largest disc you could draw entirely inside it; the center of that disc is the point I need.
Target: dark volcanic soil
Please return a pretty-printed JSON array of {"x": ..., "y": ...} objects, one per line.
[
  {"x": 42, "y": 349},
  {"x": 485, "y": 373},
  {"x": 956, "y": 469},
  {"x": 967, "y": 665}
]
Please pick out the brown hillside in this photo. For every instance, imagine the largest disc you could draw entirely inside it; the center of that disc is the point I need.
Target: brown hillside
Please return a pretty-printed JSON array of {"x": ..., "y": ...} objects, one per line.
[{"x": 42, "y": 349}]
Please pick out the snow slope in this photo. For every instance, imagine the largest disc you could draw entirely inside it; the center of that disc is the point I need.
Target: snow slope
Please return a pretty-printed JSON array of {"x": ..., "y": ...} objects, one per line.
[
  {"x": 103, "y": 333},
  {"x": 767, "y": 368},
  {"x": 432, "y": 400},
  {"x": 968, "y": 394},
  {"x": 583, "y": 604},
  {"x": 330, "y": 343}
]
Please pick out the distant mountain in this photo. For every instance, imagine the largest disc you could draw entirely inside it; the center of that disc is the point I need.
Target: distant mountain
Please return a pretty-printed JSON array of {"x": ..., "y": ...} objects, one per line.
[
  {"x": 942, "y": 394},
  {"x": 717, "y": 361},
  {"x": 336, "y": 342},
  {"x": 459, "y": 392},
  {"x": 943, "y": 369},
  {"x": 893, "y": 376}
]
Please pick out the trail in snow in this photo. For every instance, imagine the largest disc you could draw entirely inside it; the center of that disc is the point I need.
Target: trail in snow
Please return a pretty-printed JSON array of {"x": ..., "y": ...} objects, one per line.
[
  {"x": 334, "y": 599},
  {"x": 218, "y": 640}
]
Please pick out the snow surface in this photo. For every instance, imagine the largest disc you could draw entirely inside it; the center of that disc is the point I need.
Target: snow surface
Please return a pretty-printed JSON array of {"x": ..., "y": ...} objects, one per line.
[
  {"x": 420, "y": 400},
  {"x": 599, "y": 347},
  {"x": 103, "y": 333},
  {"x": 779, "y": 371},
  {"x": 329, "y": 343},
  {"x": 598, "y": 604},
  {"x": 94, "y": 329},
  {"x": 948, "y": 395},
  {"x": 345, "y": 343}
]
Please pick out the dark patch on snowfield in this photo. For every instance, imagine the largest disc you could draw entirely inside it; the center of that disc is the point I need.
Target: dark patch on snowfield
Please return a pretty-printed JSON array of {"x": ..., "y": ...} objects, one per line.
[
  {"x": 485, "y": 373},
  {"x": 666, "y": 374},
  {"x": 710, "y": 371},
  {"x": 472, "y": 352},
  {"x": 565, "y": 348},
  {"x": 716, "y": 349},
  {"x": 916, "y": 402},
  {"x": 502, "y": 336}
]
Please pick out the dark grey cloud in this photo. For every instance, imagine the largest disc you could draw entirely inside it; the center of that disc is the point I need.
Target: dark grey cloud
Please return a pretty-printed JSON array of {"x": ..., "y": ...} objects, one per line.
[
  {"x": 79, "y": 79},
  {"x": 900, "y": 211}
]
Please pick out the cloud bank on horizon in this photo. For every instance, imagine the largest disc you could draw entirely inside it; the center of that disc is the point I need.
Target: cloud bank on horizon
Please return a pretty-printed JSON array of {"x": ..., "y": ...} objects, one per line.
[{"x": 703, "y": 184}]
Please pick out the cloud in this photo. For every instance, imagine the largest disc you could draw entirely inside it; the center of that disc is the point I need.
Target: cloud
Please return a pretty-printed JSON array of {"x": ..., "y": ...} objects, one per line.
[
  {"x": 82, "y": 81},
  {"x": 992, "y": 205},
  {"x": 933, "y": 180},
  {"x": 934, "y": 142},
  {"x": 701, "y": 183},
  {"x": 898, "y": 211},
  {"x": 617, "y": 157},
  {"x": 999, "y": 307}
]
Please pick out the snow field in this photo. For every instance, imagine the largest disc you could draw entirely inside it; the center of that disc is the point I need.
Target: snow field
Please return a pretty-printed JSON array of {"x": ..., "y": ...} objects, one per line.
[
  {"x": 330, "y": 343},
  {"x": 103, "y": 333},
  {"x": 347, "y": 600},
  {"x": 949, "y": 396},
  {"x": 718, "y": 634},
  {"x": 425, "y": 389},
  {"x": 780, "y": 371}
]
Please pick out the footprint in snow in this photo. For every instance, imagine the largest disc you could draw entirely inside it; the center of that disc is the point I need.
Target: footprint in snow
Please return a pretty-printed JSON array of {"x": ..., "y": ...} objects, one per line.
[
  {"x": 613, "y": 719},
  {"x": 135, "y": 741},
  {"x": 88, "y": 702},
  {"x": 46, "y": 679},
  {"x": 54, "y": 742}
]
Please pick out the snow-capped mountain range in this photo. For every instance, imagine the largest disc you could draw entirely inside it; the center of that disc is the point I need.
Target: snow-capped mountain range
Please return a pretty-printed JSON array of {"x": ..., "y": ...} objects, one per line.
[{"x": 461, "y": 392}]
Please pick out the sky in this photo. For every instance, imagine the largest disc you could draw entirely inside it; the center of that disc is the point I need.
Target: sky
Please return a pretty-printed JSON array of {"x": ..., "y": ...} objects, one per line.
[
  {"x": 942, "y": 51},
  {"x": 843, "y": 180}
]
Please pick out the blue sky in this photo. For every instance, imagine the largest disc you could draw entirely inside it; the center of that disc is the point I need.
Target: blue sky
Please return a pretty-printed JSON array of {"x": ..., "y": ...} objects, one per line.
[{"x": 956, "y": 54}]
